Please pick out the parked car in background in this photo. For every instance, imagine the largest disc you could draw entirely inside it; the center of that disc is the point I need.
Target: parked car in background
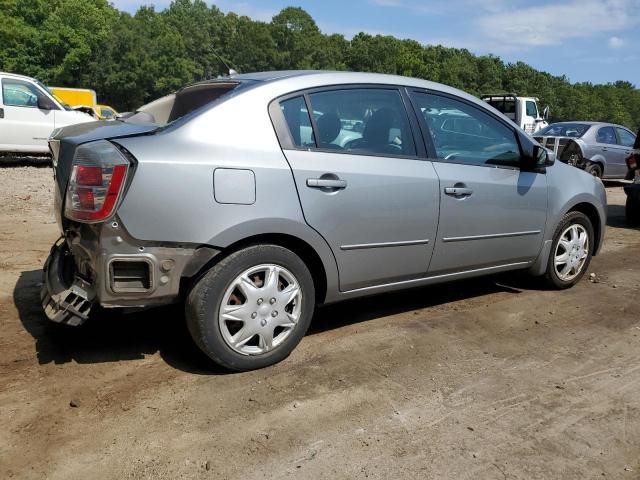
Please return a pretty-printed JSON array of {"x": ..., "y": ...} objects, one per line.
[
  {"x": 255, "y": 197},
  {"x": 523, "y": 111},
  {"x": 29, "y": 113},
  {"x": 599, "y": 148},
  {"x": 633, "y": 190},
  {"x": 105, "y": 112}
]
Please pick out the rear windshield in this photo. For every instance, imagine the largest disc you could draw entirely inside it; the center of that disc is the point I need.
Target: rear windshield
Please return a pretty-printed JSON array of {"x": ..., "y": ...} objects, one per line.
[
  {"x": 172, "y": 107},
  {"x": 575, "y": 130}
]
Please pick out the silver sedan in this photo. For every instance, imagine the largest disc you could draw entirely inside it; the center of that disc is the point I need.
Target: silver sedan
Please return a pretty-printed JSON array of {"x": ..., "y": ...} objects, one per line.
[
  {"x": 599, "y": 148},
  {"x": 256, "y": 197}
]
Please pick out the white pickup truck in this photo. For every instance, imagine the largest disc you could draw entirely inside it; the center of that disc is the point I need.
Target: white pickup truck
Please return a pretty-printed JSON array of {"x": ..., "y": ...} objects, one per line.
[
  {"x": 29, "y": 113},
  {"x": 524, "y": 111}
]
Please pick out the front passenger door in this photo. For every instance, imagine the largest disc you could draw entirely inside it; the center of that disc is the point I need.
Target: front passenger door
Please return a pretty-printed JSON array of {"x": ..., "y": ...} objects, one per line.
[{"x": 491, "y": 213}]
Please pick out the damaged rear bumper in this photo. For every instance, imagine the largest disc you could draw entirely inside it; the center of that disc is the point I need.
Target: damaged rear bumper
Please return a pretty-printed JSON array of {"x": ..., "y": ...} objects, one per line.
[
  {"x": 65, "y": 297},
  {"x": 102, "y": 265}
]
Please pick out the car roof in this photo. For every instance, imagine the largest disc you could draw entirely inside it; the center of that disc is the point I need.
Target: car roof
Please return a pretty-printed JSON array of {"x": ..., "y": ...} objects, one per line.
[
  {"x": 274, "y": 75},
  {"x": 587, "y": 122},
  {"x": 16, "y": 75},
  {"x": 325, "y": 77},
  {"x": 305, "y": 79}
]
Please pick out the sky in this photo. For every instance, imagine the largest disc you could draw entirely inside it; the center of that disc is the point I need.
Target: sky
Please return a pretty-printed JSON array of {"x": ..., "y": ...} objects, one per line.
[{"x": 594, "y": 41}]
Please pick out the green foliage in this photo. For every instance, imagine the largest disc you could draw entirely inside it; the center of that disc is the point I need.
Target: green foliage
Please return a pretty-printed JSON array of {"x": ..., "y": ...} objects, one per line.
[{"x": 132, "y": 59}]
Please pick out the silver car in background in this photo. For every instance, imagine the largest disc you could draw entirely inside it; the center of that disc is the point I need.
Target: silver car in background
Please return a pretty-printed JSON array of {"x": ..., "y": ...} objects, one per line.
[
  {"x": 600, "y": 149},
  {"x": 256, "y": 197}
]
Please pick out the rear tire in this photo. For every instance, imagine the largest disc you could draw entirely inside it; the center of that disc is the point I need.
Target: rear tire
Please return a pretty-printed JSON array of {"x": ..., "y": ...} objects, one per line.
[
  {"x": 252, "y": 308},
  {"x": 571, "y": 251},
  {"x": 594, "y": 169}
]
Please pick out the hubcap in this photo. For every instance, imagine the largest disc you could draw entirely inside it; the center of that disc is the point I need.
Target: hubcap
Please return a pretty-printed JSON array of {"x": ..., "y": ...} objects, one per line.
[
  {"x": 571, "y": 252},
  {"x": 260, "y": 309}
]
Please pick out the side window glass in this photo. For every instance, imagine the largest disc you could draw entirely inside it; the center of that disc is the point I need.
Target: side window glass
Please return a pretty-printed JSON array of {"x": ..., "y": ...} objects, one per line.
[
  {"x": 17, "y": 93},
  {"x": 465, "y": 134},
  {"x": 297, "y": 118},
  {"x": 532, "y": 110},
  {"x": 626, "y": 137},
  {"x": 362, "y": 121},
  {"x": 606, "y": 135}
]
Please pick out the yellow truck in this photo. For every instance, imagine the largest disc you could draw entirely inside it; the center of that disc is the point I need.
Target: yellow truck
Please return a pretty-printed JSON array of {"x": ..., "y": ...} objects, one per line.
[
  {"x": 84, "y": 99},
  {"x": 75, "y": 96}
]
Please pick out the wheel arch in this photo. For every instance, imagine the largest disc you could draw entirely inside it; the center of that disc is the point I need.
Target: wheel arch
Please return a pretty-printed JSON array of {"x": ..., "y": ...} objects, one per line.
[
  {"x": 300, "y": 247},
  {"x": 582, "y": 205},
  {"x": 598, "y": 160},
  {"x": 591, "y": 212}
]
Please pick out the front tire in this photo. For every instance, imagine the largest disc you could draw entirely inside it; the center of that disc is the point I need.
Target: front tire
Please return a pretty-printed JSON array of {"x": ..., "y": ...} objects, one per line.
[
  {"x": 252, "y": 308},
  {"x": 571, "y": 251}
]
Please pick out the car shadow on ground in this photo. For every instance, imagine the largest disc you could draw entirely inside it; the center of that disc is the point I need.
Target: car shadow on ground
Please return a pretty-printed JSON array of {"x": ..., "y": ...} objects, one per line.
[
  {"x": 110, "y": 335},
  {"x": 113, "y": 336},
  {"x": 16, "y": 160},
  {"x": 369, "y": 308},
  {"x": 616, "y": 217}
]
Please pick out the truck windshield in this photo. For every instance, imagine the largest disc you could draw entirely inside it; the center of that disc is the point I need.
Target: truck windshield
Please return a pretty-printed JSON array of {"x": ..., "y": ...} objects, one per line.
[{"x": 575, "y": 130}]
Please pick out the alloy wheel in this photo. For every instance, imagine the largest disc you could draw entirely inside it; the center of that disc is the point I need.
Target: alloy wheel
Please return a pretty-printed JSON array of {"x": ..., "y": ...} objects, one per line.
[
  {"x": 571, "y": 252},
  {"x": 260, "y": 309}
]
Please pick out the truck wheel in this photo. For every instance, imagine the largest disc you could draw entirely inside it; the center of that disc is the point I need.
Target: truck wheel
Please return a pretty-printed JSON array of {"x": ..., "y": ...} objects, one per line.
[
  {"x": 571, "y": 251},
  {"x": 594, "y": 169},
  {"x": 632, "y": 212},
  {"x": 252, "y": 308}
]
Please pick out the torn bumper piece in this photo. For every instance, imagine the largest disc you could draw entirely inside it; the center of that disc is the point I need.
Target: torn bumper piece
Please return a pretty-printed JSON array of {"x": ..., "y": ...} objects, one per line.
[{"x": 65, "y": 297}]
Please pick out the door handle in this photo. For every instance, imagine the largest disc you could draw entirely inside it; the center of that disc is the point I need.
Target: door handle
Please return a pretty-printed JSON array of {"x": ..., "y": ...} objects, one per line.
[
  {"x": 1, "y": 112},
  {"x": 326, "y": 183},
  {"x": 458, "y": 191},
  {"x": 605, "y": 149}
]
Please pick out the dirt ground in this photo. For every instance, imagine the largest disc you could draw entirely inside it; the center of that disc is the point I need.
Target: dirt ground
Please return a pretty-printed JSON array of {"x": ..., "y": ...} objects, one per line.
[{"x": 492, "y": 378}]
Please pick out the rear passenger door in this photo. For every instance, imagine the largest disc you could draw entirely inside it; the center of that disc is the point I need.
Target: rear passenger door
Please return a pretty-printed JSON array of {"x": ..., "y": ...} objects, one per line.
[
  {"x": 492, "y": 214},
  {"x": 361, "y": 180}
]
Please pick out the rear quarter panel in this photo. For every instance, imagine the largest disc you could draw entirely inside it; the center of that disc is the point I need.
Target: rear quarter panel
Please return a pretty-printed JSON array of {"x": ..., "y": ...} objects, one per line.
[{"x": 171, "y": 196}]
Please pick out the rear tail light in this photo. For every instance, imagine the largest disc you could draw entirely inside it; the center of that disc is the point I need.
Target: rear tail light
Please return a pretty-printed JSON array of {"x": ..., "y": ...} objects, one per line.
[
  {"x": 98, "y": 177},
  {"x": 632, "y": 161}
]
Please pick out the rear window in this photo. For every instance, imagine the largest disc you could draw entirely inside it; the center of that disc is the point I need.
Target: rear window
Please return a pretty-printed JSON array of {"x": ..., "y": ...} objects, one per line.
[
  {"x": 172, "y": 107},
  {"x": 504, "y": 105},
  {"x": 575, "y": 130}
]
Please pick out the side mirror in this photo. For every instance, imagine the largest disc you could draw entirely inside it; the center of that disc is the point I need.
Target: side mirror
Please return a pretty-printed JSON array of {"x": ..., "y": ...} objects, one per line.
[
  {"x": 538, "y": 161},
  {"x": 45, "y": 103},
  {"x": 545, "y": 113}
]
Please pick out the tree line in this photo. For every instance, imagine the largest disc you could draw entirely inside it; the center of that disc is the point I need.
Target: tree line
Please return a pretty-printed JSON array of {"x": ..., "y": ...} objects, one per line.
[{"x": 132, "y": 59}]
